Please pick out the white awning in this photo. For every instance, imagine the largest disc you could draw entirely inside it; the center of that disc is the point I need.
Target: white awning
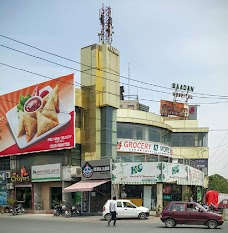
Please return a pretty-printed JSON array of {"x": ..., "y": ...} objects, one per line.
[{"x": 86, "y": 185}]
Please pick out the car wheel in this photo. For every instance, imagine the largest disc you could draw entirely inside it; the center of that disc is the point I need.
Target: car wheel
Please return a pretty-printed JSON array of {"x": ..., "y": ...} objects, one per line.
[
  {"x": 212, "y": 224},
  {"x": 142, "y": 216},
  {"x": 170, "y": 223},
  {"x": 107, "y": 217}
]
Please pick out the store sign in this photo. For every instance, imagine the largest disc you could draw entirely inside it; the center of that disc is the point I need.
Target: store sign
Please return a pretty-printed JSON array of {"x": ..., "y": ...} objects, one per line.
[
  {"x": 145, "y": 147},
  {"x": 182, "y": 91},
  {"x": 168, "y": 108},
  {"x": 136, "y": 173},
  {"x": 38, "y": 118},
  {"x": 48, "y": 172},
  {"x": 96, "y": 169},
  {"x": 153, "y": 172},
  {"x": 2, "y": 177},
  {"x": 21, "y": 176}
]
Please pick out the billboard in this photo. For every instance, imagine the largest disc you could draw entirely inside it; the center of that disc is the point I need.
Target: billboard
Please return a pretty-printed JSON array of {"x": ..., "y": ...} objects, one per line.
[
  {"x": 173, "y": 108},
  {"x": 38, "y": 118}
]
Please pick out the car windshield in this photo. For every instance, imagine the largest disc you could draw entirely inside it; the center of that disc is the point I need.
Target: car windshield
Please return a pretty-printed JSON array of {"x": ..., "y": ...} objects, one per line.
[{"x": 201, "y": 207}]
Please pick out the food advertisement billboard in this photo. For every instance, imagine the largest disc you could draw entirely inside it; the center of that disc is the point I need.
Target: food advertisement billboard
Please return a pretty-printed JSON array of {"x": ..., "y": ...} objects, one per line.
[{"x": 38, "y": 118}]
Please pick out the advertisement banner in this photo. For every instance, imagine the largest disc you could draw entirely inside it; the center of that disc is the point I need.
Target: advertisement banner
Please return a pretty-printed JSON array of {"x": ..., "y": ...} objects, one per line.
[
  {"x": 3, "y": 197},
  {"x": 168, "y": 108},
  {"x": 145, "y": 147},
  {"x": 48, "y": 172},
  {"x": 38, "y": 118}
]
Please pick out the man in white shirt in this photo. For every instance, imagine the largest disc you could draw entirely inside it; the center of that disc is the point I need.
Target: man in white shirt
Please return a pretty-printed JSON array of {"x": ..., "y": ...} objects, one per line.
[{"x": 113, "y": 209}]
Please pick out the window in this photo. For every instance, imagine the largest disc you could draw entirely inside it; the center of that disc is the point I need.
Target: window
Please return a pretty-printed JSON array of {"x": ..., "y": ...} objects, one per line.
[
  {"x": 189, "y": 140},
  {"x": 178, "y": 207},
  {"x": 119, "y": 204}
]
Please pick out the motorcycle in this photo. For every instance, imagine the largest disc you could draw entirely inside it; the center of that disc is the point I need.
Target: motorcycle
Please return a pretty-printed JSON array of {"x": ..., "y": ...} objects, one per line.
[
  {"x": 62, "y": 210},
  {"x": 74, "y": 212},
  {"x": 17, "y": 210},
  {"x": 215, "y": 209}
]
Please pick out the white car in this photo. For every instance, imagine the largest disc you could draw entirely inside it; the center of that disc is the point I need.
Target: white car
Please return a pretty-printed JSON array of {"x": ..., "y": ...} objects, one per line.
[{"x": 126, "y": 209}]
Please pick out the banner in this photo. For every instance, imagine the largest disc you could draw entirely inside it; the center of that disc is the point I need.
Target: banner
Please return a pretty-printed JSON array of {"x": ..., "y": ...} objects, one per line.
[
  {"x": 173, "y": 108},
  {"x": 145, "y": 147},
  {"x": 38, "y": 118}
]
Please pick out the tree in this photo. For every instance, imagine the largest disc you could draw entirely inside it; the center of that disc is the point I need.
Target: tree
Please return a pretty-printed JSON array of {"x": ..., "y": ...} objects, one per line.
[{"x": 218, "y": 183}]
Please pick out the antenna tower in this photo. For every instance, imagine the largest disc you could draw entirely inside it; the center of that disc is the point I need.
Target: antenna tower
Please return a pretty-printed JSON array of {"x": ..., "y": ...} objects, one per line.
[{"x": 105, "y": 17}]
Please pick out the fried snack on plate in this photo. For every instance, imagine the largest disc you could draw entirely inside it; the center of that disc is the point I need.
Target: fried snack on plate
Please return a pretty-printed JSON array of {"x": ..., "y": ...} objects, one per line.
[
  {"x": 55, "y": 94},
  {"x": 44, "y": 123},
  {"x": 49, "y": 110}
]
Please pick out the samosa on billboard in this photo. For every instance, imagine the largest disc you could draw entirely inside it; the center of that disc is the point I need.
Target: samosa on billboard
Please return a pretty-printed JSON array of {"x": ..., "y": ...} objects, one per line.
[{"x": 38, "y": 118}]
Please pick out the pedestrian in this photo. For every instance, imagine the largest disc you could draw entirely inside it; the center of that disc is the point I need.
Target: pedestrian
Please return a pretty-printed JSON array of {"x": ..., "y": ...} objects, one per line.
[
  {"x": 191, "y": 198},
  {"x": 113, "y": 209}
]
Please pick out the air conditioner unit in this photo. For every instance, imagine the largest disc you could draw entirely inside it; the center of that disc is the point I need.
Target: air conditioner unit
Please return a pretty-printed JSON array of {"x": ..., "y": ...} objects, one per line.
[
  {"x": 8, "y": 175},
  {"x": 9, "y": 186},
  {"x": 76, "y": 171}
]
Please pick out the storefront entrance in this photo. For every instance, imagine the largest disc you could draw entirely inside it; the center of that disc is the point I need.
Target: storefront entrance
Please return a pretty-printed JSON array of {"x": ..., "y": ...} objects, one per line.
[{"x": 24, "y": 196}]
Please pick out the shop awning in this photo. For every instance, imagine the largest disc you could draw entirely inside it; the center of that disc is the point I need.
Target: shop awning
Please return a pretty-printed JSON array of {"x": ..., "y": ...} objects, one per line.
[{"x": 86, "y": 185}]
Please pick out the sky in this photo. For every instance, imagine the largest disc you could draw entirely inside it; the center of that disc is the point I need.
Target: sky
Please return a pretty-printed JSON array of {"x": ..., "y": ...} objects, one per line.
[{"x": 160, "y": 42}]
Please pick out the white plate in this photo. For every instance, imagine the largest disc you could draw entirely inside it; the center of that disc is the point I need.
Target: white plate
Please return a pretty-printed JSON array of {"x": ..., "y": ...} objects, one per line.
[{"x": 13, "y": 120}]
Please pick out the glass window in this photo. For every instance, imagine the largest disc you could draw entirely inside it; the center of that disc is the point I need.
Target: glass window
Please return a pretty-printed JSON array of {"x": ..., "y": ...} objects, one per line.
[
  {"x": 189, "y": 139},
  {"x": 178, "y": 207},
  {"x": 119, "y": 204}
]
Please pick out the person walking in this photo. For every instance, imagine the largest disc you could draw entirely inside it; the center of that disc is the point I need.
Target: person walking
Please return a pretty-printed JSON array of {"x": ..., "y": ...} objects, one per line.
[{"x": 113, "y": 209}]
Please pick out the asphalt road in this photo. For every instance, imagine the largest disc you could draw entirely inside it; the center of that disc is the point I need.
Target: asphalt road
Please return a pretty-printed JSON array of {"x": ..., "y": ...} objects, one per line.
[{"x": 89, "y": 224}]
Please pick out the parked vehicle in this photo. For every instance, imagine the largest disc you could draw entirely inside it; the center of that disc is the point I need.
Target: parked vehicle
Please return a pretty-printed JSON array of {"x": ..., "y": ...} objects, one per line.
[
  {"x": 223, "y": 204},
  {"x": 126, "y": 209},
  {"x": 73, "y": 211},
  {"x": 62, "y": 210},
  {"x": 190, "y": 213},
  {"x": 18, "y": 210}
]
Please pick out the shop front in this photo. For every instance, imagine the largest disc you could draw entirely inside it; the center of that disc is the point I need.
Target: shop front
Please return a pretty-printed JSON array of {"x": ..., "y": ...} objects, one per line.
[
  {"x": 47, "y": 185},
  {"x": 23, "y": 192},
  {"x": 156, "y": 183},
  {"x": 95, "y": 185}
]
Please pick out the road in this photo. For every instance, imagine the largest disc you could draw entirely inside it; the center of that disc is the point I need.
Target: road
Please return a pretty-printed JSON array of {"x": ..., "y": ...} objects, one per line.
[{"x": 50, "y": 224}]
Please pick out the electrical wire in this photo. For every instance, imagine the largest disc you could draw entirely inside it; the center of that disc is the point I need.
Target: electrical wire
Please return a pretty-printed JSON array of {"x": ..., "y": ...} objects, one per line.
[{"x": 71, "y": 60}]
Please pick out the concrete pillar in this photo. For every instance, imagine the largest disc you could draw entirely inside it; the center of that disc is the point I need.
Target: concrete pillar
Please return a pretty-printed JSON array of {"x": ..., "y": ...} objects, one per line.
[
  {"x": 185, "y": 193},
  {"x": 159, "y": 196}
]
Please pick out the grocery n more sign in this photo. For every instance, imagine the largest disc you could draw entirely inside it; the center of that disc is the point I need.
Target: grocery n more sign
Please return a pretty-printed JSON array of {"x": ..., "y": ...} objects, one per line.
[{"x": 145, "y": 147}]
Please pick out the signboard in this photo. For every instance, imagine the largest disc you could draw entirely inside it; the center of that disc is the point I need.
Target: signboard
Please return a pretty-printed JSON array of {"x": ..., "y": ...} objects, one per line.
[
  {"x": 192, "y": 112},
  {"x": 182, "y": 91},
  {"x": 172, "y": 172},
  {"x": 3, "y": 197},
  {"x": 173, "y": 108},
  {"x": 44, "y": 173},
  {"x": 136, "y": 173},
  {"x": 38, "y": 118},
  {"x": 201, "y": 163},
  {"x": 96, "y": 169},
  {"x": 22, "y": 176},
  {"x": 153, "y": 172},
  {"x": 145, "y": 147},
  {"x": 2, "y": 177}
]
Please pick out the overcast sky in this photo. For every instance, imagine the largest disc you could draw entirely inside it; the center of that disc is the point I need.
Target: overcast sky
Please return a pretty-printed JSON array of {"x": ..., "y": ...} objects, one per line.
[{"x": 161, "y": 41}]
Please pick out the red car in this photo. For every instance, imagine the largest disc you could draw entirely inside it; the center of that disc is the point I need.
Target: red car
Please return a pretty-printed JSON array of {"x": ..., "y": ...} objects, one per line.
[{"x": 190, "y": 213}]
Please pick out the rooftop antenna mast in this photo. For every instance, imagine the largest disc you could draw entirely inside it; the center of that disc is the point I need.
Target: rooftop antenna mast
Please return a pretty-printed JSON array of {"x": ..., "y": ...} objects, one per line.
[{"x": 105, "y": 17}]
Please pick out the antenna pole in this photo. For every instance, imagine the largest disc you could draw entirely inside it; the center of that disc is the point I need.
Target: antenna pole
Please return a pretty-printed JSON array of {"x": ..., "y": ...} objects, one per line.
[{"x": 105, "y": 17}]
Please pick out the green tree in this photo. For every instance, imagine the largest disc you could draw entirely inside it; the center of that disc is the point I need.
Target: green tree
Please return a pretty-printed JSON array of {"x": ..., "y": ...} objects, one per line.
[{"x": 218, "y": 183}]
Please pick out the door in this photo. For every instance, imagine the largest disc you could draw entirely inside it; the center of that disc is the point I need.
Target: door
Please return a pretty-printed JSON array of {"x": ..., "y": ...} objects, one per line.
[
  {"x": 194, "y": 215},
  {"x": 178, "y": 213},
  {"x": 129, "y": 209}
]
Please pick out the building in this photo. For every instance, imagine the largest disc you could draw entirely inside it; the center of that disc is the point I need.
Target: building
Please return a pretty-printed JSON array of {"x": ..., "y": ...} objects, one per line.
[{"x": 119, "y": 148}]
